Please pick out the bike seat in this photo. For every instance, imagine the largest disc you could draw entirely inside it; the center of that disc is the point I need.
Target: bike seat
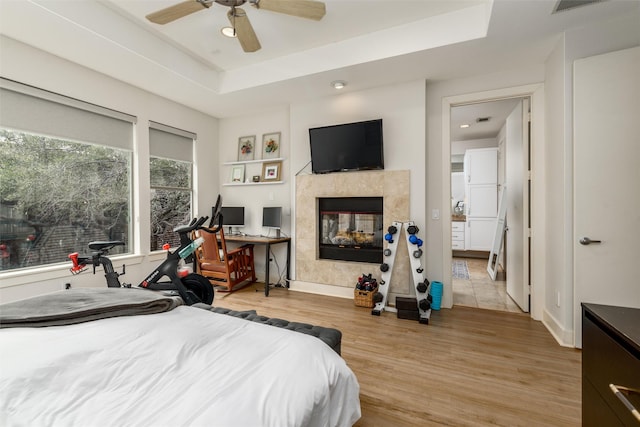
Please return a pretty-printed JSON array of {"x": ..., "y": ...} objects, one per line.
[{"x": 98, "y": 246}]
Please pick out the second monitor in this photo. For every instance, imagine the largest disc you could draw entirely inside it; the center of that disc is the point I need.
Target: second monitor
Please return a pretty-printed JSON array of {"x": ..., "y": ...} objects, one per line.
[
  {"x": 232, "y": 216},
  {"x": 272, "y": 218}
]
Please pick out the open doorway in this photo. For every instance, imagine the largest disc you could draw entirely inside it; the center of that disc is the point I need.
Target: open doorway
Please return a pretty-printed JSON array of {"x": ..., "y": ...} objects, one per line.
[
  {"x": 535, "y": 271},
  {"x": 489, "y": 166}
]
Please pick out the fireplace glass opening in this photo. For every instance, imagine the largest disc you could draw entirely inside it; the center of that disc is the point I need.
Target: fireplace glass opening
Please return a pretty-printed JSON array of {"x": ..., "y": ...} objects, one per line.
[{"x": 351, "y": 229}]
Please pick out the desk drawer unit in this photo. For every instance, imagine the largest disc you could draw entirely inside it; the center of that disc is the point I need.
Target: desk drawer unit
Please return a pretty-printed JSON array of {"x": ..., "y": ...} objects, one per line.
[{"x": 610, "y": 355}]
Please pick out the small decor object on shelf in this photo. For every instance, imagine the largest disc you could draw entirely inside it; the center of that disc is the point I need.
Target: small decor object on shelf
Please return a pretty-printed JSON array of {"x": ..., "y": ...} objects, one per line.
[
  {"x": 271, "y": 145},
  {"x": 237, "y": 173},
  {"x": 271, "y": 171},
  {"x": 256, "y": 178},
  {"x": 246, "y": 148}
]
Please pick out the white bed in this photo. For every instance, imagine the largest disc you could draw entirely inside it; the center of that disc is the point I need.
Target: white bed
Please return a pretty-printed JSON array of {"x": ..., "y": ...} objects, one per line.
[{"x": 186, "y": 366}]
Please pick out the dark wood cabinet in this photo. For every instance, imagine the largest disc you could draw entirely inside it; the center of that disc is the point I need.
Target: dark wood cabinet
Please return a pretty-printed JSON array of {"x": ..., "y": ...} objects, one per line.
[{"x": 610, "y": 355}]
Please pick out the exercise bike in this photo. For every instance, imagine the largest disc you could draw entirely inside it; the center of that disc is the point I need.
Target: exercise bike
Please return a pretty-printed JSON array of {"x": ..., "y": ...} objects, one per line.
[{"x": 191, "y": 287}]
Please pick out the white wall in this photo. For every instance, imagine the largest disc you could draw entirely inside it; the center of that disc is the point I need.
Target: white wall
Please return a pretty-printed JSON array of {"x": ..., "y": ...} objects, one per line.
[
  {"x": 558, "y": 207},
  {"x": 401, "y": 108},
  {"x": 459, "y": 147},
  {"x": 255, "y": 197},
  {"x": 436, "y": 171},
  {"x": 34, "y": 67},
  {"x": 604, "y": 37}
]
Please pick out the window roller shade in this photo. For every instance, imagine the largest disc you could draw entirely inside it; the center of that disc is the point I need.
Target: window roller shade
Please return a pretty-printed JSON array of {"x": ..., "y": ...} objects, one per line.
[
  {"x": 25, "y": 112},
  {"x": 170, "y": 143}
]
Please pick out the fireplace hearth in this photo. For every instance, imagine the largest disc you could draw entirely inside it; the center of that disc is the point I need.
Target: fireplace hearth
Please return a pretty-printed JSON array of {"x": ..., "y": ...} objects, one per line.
[{"x": 350, "y": 229}]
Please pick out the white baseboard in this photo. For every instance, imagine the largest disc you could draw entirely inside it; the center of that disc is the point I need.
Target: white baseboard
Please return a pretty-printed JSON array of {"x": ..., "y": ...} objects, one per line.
[
  {"x": 328, "y": 290},
  {"x": 562, "y": 335},
  {"x": 321, "y": 289}
]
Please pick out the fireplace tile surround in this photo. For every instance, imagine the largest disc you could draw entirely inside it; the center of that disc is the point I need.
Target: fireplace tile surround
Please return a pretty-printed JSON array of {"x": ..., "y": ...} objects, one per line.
[{"x": 392, "y": 186}]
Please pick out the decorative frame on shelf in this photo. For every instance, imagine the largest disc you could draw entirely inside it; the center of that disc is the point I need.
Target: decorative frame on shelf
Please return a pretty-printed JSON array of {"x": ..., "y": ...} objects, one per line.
[
  {"x": 246, "y": 148},
  {"x": 271, "y": 171},
  {"x": 271, "y": 145},
  {"x": 237, "y": 173}
]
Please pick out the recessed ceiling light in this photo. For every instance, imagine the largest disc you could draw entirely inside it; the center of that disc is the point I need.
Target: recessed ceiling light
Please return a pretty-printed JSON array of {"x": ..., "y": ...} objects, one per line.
[
  {"x": 338, "y": 84},
  {"x": 464, "y": 126},
  {"x": 228, "y": 32}
]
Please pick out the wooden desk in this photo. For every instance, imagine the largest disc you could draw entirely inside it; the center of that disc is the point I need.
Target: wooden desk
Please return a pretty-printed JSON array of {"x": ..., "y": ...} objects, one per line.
[{"x": 267, "y": 242}]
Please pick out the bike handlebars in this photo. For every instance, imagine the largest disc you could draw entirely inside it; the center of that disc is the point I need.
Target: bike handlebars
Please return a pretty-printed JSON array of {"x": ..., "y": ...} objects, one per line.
[
  {"x": 194, "y": 224},
  {"x": 197, "y": 224}
]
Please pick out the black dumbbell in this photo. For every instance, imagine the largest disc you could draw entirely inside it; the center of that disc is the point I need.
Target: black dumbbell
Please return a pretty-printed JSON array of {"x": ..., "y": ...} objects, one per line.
[
  {"x": 387, "y": 252},
  {"x": 419, "y": 270},
  {"x": 417, "y": 253},
  {"x": 384, "y": 267},
  {"x": 392, "y": 229},
  {"x": 412, "y": 229},
  {"x": 422, "y": 287},
  {"x": 424, "y": 305}
]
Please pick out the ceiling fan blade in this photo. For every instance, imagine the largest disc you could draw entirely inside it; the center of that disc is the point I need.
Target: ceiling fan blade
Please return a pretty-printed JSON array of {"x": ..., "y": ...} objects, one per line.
[
  {"x": 309, "y": 9},
  {"x": 176, "y": 11},
  {"x": 244, "y": 30}
]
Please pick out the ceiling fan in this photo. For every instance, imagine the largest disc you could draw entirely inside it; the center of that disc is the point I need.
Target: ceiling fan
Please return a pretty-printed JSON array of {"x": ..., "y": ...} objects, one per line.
[{"x": 309, "y": 9}]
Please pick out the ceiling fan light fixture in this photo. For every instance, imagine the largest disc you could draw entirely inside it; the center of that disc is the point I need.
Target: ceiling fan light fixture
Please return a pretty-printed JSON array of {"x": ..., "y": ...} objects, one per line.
[
  {"x": 228, "y": 32},
  {"x": 338, "y": 84}
]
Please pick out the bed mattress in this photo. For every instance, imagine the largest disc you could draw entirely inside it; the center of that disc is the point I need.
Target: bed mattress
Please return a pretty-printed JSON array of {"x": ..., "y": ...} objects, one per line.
[{"x": 186, "y": 366}]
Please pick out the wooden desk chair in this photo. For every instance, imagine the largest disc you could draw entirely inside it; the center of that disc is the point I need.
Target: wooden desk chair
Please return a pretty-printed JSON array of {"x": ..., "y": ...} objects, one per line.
[{"x": 224, "y": 268}]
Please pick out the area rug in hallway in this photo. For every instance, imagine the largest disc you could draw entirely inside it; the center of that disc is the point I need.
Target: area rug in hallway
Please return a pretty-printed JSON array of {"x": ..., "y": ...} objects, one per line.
[{"x": 459, "y": 269}]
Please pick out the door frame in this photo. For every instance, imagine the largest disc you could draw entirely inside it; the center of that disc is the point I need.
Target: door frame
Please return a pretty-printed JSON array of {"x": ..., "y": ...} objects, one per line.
[{"x": 537, "y": 267}]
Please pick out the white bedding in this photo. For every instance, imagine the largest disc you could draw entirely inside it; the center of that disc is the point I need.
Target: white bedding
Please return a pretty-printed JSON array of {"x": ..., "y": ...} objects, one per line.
[{"x": 187, "y": 366}]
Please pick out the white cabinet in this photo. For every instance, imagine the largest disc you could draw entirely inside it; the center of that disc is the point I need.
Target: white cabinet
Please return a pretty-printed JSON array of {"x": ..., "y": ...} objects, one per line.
[
  {"x": 482, "y": 200},
  {"x": 481, "y": 166},
  {"x": 481, "y": 192},
  {"x": 479, "y": 233},
  {"x": 457, "y": 235}
]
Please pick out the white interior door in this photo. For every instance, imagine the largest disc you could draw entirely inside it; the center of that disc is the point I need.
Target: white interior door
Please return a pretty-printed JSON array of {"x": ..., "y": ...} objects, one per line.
[
  {"x": 517, "y": 160},
  {"x": 606, "y": 179}
]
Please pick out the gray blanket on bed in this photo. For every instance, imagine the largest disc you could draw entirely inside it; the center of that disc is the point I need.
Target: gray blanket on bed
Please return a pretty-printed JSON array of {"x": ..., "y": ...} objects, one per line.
[{"x": 83, "y": 305}]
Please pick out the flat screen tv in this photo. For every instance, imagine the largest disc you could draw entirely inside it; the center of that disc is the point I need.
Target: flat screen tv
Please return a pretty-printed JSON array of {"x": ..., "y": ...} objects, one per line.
[{"x": 347, "y": 147}]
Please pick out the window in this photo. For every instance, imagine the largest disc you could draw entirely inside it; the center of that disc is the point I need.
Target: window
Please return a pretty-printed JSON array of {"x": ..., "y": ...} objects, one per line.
[
  {"x": 57, "y": 195},
  {"x": 171, "y": 170},
  {"x": 65, "y": 176}
]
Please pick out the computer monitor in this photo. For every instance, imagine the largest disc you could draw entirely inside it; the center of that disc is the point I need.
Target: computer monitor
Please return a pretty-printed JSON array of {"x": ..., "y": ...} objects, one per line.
[
  {"x": 272, "y": 218},
  {"x": 232, "y": 216}
]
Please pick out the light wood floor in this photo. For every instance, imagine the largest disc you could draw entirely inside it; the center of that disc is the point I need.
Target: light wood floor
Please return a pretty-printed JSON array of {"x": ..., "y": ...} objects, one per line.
[{"x": 468, "y": 367}]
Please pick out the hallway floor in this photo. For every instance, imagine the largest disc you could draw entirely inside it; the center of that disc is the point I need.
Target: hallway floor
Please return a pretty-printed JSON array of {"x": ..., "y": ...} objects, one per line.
[{"x": 480, "y": 291}]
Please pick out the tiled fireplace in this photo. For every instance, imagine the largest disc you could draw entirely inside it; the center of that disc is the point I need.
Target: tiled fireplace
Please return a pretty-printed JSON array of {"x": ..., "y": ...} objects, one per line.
[
  {"x": 362, "y": 226},
  {"x": 350, "y": 228}
]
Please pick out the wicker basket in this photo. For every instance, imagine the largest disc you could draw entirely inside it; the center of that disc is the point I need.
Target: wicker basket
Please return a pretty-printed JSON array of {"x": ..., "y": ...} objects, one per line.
[{"x": 364, "y": 298}]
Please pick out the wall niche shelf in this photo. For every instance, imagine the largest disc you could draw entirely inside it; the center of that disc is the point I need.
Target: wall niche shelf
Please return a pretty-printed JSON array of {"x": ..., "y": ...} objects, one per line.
[
  {"x": 253, "y": 168},
  {"x": 247, "y": 162},
  {"x": 240, "y": 184}
]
